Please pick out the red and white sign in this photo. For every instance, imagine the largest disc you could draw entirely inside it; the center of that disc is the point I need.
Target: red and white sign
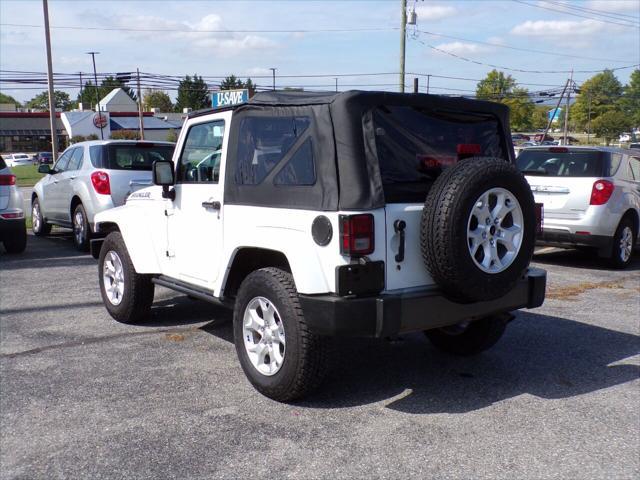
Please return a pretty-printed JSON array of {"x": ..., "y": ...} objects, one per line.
[{"x": 100, "y": 120}]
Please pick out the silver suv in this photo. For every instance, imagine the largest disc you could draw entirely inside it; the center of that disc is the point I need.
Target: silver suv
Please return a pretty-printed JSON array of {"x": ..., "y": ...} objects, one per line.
[
  {"x": 13, "y": 232},
  {"x": 90, "y": 177},
  {"x": 591, "y": 197}
]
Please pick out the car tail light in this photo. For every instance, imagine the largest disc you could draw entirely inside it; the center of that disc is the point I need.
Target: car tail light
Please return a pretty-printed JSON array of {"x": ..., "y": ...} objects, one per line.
[
  {"x": 7, "y": 179},
  {"x": 11, "y": 216},
  {"x": 559, "y": 150},
  {"x": 601, "y": 192},
  {"x": 468, "y": 149},
  {"x": 356, "y": 234},
  {"x": 100, "y": 181}
]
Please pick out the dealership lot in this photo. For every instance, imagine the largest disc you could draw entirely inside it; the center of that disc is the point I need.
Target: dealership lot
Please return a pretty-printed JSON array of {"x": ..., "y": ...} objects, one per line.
[{"x": 83, "y": 396}]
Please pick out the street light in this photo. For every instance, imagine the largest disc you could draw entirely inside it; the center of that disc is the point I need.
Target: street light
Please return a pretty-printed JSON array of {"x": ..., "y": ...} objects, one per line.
[{"x": 95, "y": 78}]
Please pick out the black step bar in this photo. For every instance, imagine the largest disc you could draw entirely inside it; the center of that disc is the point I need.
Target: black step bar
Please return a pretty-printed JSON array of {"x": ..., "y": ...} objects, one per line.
[{"x": 191, "y": 290}]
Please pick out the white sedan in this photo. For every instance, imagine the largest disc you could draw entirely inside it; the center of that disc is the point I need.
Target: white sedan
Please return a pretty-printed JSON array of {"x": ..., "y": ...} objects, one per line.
[{"x": 18, "y": 159}]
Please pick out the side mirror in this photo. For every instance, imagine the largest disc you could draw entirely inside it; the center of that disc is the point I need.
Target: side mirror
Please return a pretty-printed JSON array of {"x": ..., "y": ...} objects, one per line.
[
  {"x": 164, "y": 175},
  {"x": 44, "y": 169}
]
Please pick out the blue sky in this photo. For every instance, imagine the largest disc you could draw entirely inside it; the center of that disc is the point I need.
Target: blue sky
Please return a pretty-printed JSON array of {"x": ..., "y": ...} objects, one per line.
[{"x": 182, "y": 41}]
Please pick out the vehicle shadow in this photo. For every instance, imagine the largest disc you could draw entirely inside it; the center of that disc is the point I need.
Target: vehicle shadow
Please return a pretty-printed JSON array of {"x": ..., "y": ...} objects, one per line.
[
  {"x": 549, "y": 357},
  {"x": 581, "y": 259}
]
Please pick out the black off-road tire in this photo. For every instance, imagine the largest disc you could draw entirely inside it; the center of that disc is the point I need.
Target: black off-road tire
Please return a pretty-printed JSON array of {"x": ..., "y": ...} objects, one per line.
[
  {"x": 45, "y": 228},
  {"x": 137, "y": 297},
  {"x": 445, "y": 218},
  {"x": 615, "y": 260},
  {"x": 81, "y": 238},
  {"x": 306, "y": 358},
  {"x": 17, "y": 242},
  {"x": 478, "y": 336}
]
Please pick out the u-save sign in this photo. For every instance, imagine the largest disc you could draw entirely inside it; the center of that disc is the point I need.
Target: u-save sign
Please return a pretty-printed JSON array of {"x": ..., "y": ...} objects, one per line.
[{"x": 225, "y": 98}]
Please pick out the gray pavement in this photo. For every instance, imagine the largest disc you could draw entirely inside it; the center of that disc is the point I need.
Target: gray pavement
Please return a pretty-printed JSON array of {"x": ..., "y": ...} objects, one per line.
[{"x": 85, "y": 397}]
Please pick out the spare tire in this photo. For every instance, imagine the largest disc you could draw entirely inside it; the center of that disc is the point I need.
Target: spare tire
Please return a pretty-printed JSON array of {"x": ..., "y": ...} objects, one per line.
[{"x": 478, "y": 229}]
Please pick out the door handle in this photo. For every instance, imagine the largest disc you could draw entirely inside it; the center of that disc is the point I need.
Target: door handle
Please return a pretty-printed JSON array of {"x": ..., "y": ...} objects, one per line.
[
  {"x": 212, "y": 205},
  {"x": 399, "y": 226}
]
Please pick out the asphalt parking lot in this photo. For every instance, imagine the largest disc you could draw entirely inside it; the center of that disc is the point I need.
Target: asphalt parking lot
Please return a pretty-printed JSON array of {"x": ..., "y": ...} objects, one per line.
[{"x": 85, "y": 397}]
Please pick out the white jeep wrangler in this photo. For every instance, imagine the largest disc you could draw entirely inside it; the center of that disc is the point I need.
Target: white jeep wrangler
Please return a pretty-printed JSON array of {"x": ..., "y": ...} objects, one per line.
[{"x": 318, "y": 215}]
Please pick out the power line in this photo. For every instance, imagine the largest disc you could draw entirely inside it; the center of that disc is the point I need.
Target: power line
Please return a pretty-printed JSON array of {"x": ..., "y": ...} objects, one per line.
[
  {"x": 520, "y": 49},
  {"x": 593, "y": 11},
  {"x": 175, "y": 30},
  {"x": 630, "y": 24}
]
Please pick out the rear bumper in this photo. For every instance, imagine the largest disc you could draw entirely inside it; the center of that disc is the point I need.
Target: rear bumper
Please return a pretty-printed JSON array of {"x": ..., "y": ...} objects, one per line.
[
  {"x": 560, "y": 238},
  {"x": 390, "y": 314}
]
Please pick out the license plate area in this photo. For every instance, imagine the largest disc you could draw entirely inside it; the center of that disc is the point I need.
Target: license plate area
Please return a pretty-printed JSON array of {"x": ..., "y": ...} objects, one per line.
[{"x": 360, "y": 278}]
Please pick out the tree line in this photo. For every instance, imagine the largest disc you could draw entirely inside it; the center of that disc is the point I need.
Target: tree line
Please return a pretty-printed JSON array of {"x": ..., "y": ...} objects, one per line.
[{"x": 603, "y": 105}]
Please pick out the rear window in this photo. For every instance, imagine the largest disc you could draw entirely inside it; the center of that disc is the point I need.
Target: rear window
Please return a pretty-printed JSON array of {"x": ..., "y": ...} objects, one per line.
[
  {"x": 139, "y": 156},
  {"x": 2, "y": 164},
  {"x": 413, "y": 146},
  {"x": 561, "y": 163}
]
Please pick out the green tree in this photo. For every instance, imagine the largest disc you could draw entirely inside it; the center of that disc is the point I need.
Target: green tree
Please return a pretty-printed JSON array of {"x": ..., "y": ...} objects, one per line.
[
  {"x": 9, "y": 99},
  {"x": 610, "y": 125},
  {"x": 233, "y": 83},
  {"x": 630, "y": 100},
  {"x": 598, "y": 95},
  {"x": 495, "y": 86},
  {"x": 540, "y": 117},
  {"x": 125, "y": 135},
  {"x": 172, "y": 136},
  {"x": 192, "y": 93},
  {"x": 41, "y": 101},
  {"x": 157, "y": 99},
  {"x": 501, "y": 88}
]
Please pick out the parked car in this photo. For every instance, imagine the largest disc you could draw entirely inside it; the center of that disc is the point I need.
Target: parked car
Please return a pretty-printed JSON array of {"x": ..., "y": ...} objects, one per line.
[
  {"x": 591, "y": 197},
  {"x": 339, "y": 214},
  {"x": 43, "y": 158},
  {"x": 90, "y": 177},
  {"x": 634, "y": 145},
  {"x": 539, "y": 138},
  {"x": 13, "y": 230},
  {"x": 18, "y": 159},
  {"x": 519, "y": 137},
  {"x": 625, "y": 137}
]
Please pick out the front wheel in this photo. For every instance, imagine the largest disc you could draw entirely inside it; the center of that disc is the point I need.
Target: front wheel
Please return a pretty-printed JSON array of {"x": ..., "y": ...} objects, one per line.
[
  {"x": 623, "y": 242},
  {"x": 278, "y": 354},
  {"x": 469, "y": 338},
  {"x": 126, "y": 294}
]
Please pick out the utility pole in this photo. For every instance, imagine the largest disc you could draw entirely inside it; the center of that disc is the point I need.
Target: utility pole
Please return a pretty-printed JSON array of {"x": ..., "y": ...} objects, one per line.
[
  {"x": 415, "y": 85},
  {"x": 403, "y": 38},
  {"x": 140, "y": 107},
  {"x": 428, "y": 81},
  {"x": 566, "y": 112},
  {"x": 80, "y": 73},
  {"x": 52, "y": 100},
  {"x": 546, "y": 130},
  {"x": 336, "y": 78},
  {"x": 589, "y": 118},
  {"x": 273, "y": 71},
  {"x": 95, "y": 78}
]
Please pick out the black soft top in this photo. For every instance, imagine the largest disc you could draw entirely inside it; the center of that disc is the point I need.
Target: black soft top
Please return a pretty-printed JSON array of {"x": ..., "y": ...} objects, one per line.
[{"x": 348, "y": 177}]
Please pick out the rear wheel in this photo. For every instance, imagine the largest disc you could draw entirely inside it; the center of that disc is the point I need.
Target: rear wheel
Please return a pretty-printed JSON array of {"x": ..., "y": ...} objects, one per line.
[
  {"x": 38, "y": 225},
  {"x": 126, "y": 294},
  {"x": 279, "y": 356},
  {"x": 469, "y": 338},
  {"x": 623, "y": 242},
  {"x": 81, "y": 229}
]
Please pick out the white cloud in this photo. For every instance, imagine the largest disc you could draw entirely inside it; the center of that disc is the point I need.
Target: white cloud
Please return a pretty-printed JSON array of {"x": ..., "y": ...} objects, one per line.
[
  {"x": 434, "y": 12},
  {"x": 258, "y": 71},
  {"x": 615, "y": 5},
  {"x": 208, "y": 32},
  {"x": 462, "y": 48},
  {"x": 557, "y": 28}
]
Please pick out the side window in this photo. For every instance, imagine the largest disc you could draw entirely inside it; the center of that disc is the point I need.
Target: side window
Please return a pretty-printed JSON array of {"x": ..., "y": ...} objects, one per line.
[
  {"x": 200, "y": 158},
  {"x": 96, "y": 154},
  {"x": 63, "y": 161},
  {"x": 263, "y": 143},
  {"x": 634, "y": 168},
  {"x": 616, "y": 158},
  {"x": 300, "y": 169},
  {"x": 76, "y": 159}
]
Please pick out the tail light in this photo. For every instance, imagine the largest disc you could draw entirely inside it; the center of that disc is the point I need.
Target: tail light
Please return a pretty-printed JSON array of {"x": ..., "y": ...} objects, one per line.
[
  {"x": 7, "y": 179},
  {"x": 601, "y": 192},
  {"x": 356, "y": 234},
  {"x": 100, "y": 181}
]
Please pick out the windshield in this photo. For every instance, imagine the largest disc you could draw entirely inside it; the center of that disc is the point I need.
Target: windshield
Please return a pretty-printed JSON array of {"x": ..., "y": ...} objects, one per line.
[
  {"x": 561, "y": 163},
  {"x": 134, "y": 156},
  {"x": 413, "y": 146}
]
